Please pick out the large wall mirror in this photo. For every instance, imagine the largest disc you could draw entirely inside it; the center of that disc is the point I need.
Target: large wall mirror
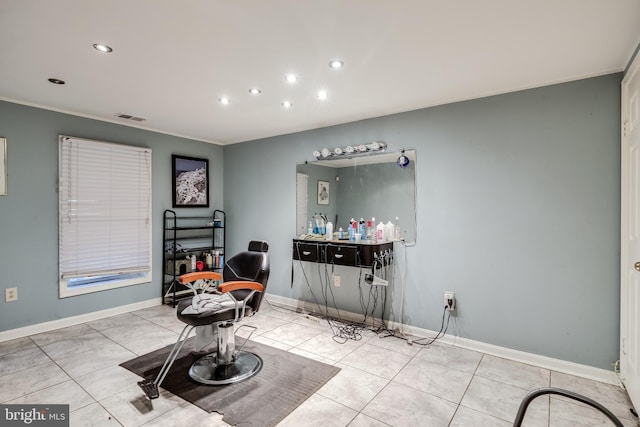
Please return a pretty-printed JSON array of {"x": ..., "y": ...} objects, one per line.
[{"x": 359, "y": 187}]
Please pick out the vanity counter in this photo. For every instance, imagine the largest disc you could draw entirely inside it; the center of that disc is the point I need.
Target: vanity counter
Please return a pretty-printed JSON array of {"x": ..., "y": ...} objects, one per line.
[{"x": 339, "y": 252}]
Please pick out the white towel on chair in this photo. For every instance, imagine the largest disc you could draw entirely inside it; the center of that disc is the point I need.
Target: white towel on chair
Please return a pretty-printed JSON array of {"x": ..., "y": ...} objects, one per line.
[{"x": 203, "y": 303}]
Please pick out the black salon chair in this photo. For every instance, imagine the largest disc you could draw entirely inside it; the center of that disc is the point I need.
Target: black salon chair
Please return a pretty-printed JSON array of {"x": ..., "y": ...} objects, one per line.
[{"x": 240, "y": 295}]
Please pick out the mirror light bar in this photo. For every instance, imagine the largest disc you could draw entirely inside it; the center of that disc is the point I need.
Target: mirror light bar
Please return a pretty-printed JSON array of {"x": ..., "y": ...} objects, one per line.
[{"x": 350, "y": 150}]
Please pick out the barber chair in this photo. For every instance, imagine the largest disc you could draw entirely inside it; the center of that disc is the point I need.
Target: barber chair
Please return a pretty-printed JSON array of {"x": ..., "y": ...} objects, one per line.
[{"x": 240, "y": 295}]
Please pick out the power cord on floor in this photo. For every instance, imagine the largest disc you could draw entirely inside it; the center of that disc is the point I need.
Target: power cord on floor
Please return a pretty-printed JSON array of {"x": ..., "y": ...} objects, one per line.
[
  {"x": 344, "y": 330},
  {"x": 441, "y": 333},
  {"x": 278, "y": 308}
]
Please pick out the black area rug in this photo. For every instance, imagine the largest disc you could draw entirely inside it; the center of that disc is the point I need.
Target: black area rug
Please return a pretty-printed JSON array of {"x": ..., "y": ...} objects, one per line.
[{"x": 285, "y": 381}]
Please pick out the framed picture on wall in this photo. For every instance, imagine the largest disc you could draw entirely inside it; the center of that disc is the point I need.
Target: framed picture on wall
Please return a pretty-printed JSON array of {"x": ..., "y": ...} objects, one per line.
[
  {"x": 190, "y": 181},
  {"x": 323, "y": 192}
]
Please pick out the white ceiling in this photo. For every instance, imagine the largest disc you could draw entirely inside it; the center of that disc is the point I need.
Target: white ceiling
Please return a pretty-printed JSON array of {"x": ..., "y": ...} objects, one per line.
[{"x": 173, "y": 60}]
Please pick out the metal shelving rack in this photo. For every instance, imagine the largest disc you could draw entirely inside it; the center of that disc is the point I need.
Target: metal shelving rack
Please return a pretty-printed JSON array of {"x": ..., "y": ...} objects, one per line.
[{"x": 184, "y": 236}]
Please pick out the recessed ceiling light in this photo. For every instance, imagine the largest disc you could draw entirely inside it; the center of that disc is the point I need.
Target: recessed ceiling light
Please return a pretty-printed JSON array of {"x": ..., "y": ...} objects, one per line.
[
  {"x": 56, "y": 81},
  {"x": 336, "y": 64},
  {"x": 322, "y": 95},
  {"x": 224, "y": 100},
  {"x": 255, "y": 91},
  {"x": 287, "y": 104},
  {"x": 102, "y": 48},
  {"x": 292, "y": 78}
]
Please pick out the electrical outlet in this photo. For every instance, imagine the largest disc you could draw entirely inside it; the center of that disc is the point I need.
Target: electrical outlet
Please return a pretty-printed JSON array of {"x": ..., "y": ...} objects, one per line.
[
  {"x": 10, "y": 294},
  {"x": 336, "y": 280},
  {"x": 450, "y": 300}
]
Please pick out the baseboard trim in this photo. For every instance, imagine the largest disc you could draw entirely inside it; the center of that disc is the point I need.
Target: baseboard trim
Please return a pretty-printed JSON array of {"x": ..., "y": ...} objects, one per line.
[
  {"x": 563, "y": 366},
  {"x": 559, "y": 365},
  {"x": 76, "y": 320},
  {"x": 311, "y": 308}
]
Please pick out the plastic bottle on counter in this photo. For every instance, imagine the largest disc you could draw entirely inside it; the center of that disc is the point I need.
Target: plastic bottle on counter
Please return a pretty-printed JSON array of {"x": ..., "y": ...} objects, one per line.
[
  {"x": 329, "y": 230},
  {"x": 350, "y": 231},
  {"x": 341, "y": 234},
  {"x": 380, "y": 232},
  {"x": 389, "y": 231},
  {"x": 374, "y": 234},
  {"x": 354, "y": 231},
  {"x": 368, "y": 233},
  {"x": 321, "y": 225}
]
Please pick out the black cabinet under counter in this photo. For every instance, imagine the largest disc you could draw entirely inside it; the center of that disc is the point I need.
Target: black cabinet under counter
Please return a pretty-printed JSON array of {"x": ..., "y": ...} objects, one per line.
[
  {"x": 339, "y": 252},
  {"x": 305, "y": 250}
]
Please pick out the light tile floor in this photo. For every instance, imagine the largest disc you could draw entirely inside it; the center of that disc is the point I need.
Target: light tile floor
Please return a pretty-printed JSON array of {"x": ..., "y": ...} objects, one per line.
[{"x": 382, "y": 382}]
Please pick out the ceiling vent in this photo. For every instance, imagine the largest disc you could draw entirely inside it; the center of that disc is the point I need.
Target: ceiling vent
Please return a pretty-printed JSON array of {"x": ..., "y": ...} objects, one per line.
[{"x": 130, "y": 117}]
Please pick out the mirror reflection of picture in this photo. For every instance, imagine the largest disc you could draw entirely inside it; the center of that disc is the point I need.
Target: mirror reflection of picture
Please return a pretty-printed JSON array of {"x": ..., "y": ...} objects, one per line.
[{"x": 323, "y": 192}]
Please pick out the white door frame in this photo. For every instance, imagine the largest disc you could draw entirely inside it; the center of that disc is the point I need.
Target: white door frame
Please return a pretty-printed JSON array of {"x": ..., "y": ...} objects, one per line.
[{"x": 629, "y": 374}]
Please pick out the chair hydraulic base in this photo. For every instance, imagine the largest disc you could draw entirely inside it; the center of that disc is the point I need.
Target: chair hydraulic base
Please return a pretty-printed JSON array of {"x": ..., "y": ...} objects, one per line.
[
  {"x": 207, "y": 370},
  {"x": 226, "y": 366}
]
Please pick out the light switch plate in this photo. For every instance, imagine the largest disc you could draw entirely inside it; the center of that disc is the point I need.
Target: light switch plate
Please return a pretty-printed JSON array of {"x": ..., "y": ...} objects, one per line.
[{"x": 10, "y": 294}]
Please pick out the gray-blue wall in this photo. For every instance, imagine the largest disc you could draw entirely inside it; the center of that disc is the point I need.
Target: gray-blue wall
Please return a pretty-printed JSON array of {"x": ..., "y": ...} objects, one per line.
[
  {"x": 29, "y": 213},
  {"x": 518, "y": 212},
  {"x": 517, "y": 208}
]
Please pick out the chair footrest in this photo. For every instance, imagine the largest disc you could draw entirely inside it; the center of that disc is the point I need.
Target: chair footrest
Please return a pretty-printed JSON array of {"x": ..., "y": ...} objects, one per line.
[
  {"x": 207, "y": 370},
  {"x": 150, "y": 388}
]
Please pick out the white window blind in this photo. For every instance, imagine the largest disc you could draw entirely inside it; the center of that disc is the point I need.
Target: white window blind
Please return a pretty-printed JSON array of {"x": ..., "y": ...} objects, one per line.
[
  {"x": 104, "y": 212},
  {"x": 302, "y": 197}
]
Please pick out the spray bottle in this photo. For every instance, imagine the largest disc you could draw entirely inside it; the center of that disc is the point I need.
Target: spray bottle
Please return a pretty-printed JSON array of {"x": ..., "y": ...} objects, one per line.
[
  {"x": 352, "y": 237},
  {"x": 321, "y": 224}
]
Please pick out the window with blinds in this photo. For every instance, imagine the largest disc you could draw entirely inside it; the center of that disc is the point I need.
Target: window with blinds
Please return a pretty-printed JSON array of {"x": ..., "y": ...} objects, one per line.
[
  {"x": 302, "y": 198},
  {"x": 104, "y": 215}
]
